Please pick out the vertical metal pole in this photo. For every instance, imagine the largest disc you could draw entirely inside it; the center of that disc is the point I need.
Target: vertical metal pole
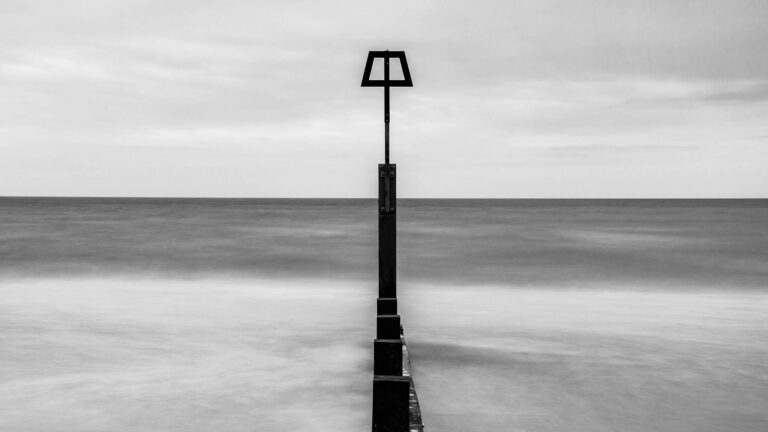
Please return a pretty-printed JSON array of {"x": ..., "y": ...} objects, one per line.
[{"x": 386, "y": 111}]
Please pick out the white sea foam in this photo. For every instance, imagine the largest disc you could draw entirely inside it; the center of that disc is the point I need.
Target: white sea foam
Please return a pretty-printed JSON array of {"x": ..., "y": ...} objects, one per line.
[
  {"x": 128, "y": 355},
  {"x": 494, "y": 359},
  {"x": 636, "y": 316},
  {"x": 256, "y": 354}
]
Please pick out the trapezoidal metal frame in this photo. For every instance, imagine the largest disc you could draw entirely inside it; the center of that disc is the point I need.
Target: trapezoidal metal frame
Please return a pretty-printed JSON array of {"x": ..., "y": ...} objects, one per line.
[{"x": 400, "y": 55}]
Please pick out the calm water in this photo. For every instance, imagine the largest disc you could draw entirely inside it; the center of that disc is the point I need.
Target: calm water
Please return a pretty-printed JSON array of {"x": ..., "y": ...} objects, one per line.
[{"x": 230, "y": 315}]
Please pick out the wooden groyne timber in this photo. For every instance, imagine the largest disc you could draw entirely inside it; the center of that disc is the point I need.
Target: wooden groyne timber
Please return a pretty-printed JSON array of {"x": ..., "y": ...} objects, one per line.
[
  {"x": 395, "y": 402},
  {"x": 415, "y": 424}
]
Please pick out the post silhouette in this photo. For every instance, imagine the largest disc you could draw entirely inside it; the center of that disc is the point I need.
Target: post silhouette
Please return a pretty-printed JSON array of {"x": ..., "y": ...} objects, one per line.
[{"x": 393, "y": 393}]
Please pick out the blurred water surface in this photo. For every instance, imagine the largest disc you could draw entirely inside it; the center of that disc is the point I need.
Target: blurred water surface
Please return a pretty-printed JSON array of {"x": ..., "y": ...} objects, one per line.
[{"x": 540, "y": 315}]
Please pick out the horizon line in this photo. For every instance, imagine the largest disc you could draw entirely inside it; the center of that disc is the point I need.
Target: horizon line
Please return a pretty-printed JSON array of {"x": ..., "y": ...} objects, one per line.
[{"x": 374, "y": 198}]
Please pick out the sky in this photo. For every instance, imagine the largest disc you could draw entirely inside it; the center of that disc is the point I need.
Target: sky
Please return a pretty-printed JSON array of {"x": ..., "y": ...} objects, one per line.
[{"x": 511, "y": 99}]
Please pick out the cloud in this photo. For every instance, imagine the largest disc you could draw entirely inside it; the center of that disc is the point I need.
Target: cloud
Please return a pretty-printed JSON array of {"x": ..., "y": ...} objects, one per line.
[
  {"x": 281, "y": 78},
  {"x": 740, "y": 92}
]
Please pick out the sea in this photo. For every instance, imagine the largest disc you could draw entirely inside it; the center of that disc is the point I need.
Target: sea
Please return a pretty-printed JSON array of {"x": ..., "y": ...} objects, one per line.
[{"x": 154, "y": 314}]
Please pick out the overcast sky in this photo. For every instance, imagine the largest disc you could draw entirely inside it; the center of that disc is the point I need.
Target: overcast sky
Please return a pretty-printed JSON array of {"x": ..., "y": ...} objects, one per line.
[{"x": 244, "y": 98}]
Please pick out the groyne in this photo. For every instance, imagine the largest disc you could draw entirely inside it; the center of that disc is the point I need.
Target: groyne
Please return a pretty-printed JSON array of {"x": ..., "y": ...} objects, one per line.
[
  {"x": 395, "y": 402},
  {"x": 415, "y": 424},
  {"x": 395, "y": 405}
]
